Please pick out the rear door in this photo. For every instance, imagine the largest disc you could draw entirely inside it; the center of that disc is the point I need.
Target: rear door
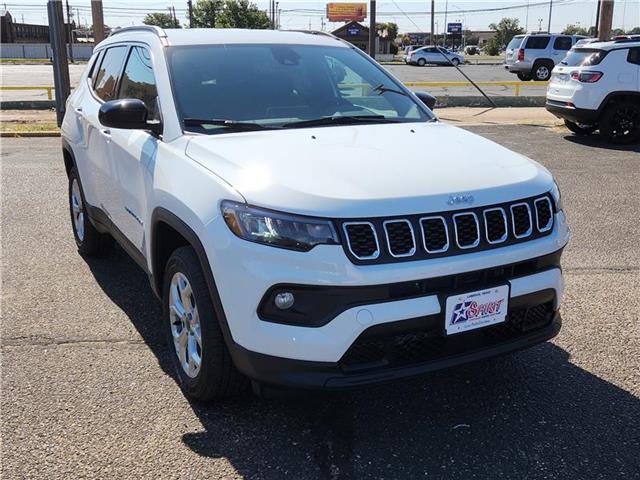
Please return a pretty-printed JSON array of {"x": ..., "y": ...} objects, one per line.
[
  {"x": 98, "y": 137},
  {"x": 633, "y": 61},
  {"x": 511, "y": 53}
]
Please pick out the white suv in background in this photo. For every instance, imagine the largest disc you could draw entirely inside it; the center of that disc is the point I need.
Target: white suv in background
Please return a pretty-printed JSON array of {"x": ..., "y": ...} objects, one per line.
[
  {"x": 300, "y": 215},
  {"x": 597, "y": 87}
]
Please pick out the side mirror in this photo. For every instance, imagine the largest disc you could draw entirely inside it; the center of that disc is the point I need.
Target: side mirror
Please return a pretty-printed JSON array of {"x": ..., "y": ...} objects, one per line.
[
  {"x": 129, "y": 113},
  {"x": 426, "y": 98}
]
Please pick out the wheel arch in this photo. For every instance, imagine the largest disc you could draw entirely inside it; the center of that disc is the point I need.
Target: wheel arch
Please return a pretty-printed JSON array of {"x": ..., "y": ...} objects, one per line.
[
  {"x": 168, "y": 230},
  {"x": 624, "y": 95},
  {"x": 68, "y": 156}
]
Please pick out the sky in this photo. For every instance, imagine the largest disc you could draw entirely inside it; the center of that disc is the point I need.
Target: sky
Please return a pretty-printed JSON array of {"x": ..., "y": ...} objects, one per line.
[{"x": 410, "y": 15}]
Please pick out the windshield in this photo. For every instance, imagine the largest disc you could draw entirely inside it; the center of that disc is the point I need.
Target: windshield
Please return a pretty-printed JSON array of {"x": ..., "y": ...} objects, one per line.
[
  {"x": 276, "y": 85},
  {"x": 583, "y": 57},
  {"x": 514, "y": 43}
]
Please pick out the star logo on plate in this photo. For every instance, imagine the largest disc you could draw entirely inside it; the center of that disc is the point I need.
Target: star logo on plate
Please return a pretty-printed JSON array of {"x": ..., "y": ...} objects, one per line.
[{"x": 460, "y": 313}]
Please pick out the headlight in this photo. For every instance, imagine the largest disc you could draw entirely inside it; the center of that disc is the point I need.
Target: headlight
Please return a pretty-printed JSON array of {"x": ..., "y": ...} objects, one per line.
[
  {"x": 557, "y": 197},
  {"x": 278, "y": 229}
]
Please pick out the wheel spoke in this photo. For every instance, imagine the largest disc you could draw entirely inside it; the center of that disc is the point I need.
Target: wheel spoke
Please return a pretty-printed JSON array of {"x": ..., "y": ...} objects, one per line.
[{"x": 185, "y": 324}]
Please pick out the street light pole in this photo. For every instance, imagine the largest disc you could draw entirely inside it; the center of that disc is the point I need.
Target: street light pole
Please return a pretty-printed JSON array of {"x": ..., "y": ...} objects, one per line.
[
  {"x": 550, "y": 10},
  {"x": 433, "y": 24}
]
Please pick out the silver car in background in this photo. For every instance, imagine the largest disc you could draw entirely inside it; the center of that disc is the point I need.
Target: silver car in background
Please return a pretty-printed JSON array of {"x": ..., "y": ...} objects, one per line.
[{"x": 433, "y": 55}]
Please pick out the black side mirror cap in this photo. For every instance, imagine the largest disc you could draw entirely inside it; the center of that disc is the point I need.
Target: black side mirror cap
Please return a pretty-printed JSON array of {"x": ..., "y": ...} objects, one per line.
[
  {"x": 127, "y": 113},
  {"x": 428, "y": 99}
]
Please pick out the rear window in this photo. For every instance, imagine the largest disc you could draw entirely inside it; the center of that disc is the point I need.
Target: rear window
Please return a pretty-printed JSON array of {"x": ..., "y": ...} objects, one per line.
[
  {"x": 537, "y": 43},
  {"x": 514, "y": 43},
  {"x": 562, "y": 43},
  {"x": 583, "y": 57}
]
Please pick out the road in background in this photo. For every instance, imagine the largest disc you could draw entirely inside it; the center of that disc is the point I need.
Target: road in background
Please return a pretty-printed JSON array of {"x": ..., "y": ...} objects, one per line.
[
  {"x": 87, "y": 390},
  {"x": 43, "y": 75}
]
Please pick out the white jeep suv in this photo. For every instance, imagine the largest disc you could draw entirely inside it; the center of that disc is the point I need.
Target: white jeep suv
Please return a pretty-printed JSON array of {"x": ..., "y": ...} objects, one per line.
[
  {"x": 300, "y": 213},
  {"x": 597, "y": 87}
]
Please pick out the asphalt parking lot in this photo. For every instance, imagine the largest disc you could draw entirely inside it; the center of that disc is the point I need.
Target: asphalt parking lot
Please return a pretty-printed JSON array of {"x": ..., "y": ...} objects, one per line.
[{"x": 87, "y": 390}]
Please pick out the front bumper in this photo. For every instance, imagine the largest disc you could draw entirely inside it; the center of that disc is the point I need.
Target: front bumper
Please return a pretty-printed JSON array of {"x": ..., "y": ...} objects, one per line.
[
  {"x": 569, "y": 112},
  {"x": 411, "y": 351},
  {"x": 244, "y": 272}
]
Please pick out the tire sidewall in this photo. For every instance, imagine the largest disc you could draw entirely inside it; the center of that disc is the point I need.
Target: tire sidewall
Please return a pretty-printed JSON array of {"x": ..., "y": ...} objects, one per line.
[
  {"x": 208, "y": 321},
  {"x": 73, "y": 175}
]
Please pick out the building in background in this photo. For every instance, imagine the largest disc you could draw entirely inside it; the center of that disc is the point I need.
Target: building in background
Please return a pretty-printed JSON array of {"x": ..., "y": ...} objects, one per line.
[
  {"x": 358, "y": 35},
  {"x": 12, "y": 32}
]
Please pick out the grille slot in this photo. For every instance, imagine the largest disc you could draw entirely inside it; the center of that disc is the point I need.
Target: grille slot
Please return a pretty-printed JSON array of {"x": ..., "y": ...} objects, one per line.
[
  {"x": 435, "y": 235},
  {"x": 521, "y": 219},
  {"x": 467, "y": 229},
  {"x": 362, "y": 240},
  {"x": 495, "y": 225},
  {"x": 400, "y": 238},
  {"x": 544, "y": 214}
]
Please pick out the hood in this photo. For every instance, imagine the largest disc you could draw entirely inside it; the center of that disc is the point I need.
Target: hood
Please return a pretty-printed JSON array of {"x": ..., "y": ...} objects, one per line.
[{"x": 368, "y": 170}]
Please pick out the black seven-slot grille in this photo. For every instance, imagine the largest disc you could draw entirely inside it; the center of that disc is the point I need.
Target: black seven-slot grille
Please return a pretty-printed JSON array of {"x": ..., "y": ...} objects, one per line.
[{"x": 418, "y": 237}]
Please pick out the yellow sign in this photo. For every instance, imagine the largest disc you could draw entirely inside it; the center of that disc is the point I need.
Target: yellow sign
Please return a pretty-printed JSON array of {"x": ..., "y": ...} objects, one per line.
[{"x": 346, "y": 12}]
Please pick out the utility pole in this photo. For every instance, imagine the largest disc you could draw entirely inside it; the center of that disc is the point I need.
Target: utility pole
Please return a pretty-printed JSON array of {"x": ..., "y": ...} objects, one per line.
[
  {"x": 190, "y": 5},
  {"x": 605, "y": 19},
  {"x": 433, "y": 21},
  {"x": 60, "y": 62},
  {"x": 550, "y": 10},
  {"x": 446, "y": 7},
  {"x": 98, "y": 21},
  {"x": 70, "y": 34},
  {"x": 372, "y": 29},
  {"x": 276, "y": 25},
  {"x": 526, "y": 22}
]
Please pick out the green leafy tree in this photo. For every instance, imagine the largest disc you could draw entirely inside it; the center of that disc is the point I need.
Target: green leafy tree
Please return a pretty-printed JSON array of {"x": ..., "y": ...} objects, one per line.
[
  {"x": 492, "y": 47},
  {"x": 229, "y": 14},
  {"x": 506, "y": 29},
  {"x": 634, "y": 31},
  {"x": 391, "y": 29},
  {"x": 575, "y": 30},
  {"x": 617, "y": 31},
  {"x": 161, "y": 19},
  {"x": 243, "y": 14}
]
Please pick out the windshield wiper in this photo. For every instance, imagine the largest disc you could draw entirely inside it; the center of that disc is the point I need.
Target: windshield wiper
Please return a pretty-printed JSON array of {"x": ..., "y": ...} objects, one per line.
[
  {"x": 340, "y": 120},
  {"x": 382, "y": 89},
  {"x": 220, "y": 122}
]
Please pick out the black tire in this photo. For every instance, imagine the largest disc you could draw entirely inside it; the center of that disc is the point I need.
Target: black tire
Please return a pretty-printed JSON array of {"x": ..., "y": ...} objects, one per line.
[
  {"x": 455, "y": 62},
  {"x": 542, "y": 71},
  {"x": 89, "y": 240},
  {"x": 217, "y": 376},
  {"x": 620, "y": 123},
  {"x": 524, "y": 77},
  {"x": 421, "y": 62},
  {"x": 580, "y": 129}
]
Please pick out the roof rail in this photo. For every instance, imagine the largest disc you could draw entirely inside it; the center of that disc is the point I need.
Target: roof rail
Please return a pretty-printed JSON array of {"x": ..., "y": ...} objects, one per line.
[
  {"x": 145, "y": 28},
  {"x": 314, "y": 32}
]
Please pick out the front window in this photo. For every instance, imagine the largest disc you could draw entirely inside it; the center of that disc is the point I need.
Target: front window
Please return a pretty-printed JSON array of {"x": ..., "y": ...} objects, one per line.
[{"x": 276, "y": 86}]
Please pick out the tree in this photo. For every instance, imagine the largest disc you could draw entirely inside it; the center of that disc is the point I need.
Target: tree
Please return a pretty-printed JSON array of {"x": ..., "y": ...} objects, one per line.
[
  {"x": 161, "y": 19},
  {"x": 391, "y": 29},
  {"x": 575, "y": 30},
  {"x": 506, "y": 29},
  {"x": 243, "y": 14},
  {"x": 492, "y": 47},
  {"x": 229, "y": 14},
  {"x": 634, "y": 31}
]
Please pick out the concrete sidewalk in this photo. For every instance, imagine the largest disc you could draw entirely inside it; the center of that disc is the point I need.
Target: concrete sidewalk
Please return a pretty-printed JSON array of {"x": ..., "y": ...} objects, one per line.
[{"x": 24, "y": 121}]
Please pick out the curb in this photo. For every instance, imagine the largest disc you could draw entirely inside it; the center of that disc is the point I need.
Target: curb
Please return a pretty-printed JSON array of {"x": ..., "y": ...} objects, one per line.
[
  {"x": 29, "y": 134},
  {"x": 477, "y": 101},
  {"x": 28, "y": 105}
]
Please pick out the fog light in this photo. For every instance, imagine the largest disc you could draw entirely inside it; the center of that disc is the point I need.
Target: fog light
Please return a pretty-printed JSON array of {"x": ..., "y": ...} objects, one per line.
[{"x": 284, "y": 300}]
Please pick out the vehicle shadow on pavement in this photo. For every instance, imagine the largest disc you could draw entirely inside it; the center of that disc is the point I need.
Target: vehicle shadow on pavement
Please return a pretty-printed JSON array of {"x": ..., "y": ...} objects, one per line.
[
  {"x": 596, "y": 142},
  {"x": 532, "y": 414}
]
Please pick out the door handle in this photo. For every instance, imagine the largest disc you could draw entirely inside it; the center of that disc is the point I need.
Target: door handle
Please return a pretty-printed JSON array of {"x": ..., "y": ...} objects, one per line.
[
  {"x": 106, "y": 134},
  {"x": 78, "y": 109}
]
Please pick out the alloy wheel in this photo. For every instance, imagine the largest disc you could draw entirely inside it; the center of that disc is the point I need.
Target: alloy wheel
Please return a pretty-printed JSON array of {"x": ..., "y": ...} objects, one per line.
[
  {"x": 625, "y": 122},
  {"x": 77, "y": 209},
  {"x": 542, "y": 72},
  {"x": 185, "y": 325}
]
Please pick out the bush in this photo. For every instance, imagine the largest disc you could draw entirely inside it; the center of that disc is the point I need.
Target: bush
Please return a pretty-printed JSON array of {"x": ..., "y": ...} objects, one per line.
[
  {"x": 393, "y": 48},
  {"x": 492, "y": 46}
]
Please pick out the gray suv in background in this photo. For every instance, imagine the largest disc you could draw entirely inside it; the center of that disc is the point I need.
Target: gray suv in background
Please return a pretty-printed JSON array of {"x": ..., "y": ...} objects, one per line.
[{"x": 533, "y": 56}]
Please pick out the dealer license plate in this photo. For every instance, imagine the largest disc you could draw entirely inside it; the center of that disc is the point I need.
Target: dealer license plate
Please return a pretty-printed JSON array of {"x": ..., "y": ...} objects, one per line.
[{"x": 482, "y": 308}]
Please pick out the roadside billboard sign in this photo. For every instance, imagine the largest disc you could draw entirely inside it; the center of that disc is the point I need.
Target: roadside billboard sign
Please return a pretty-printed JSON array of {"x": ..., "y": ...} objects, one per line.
[
  {"x": 346, "y": 12},
  {"x": 454, "y": 28}
]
